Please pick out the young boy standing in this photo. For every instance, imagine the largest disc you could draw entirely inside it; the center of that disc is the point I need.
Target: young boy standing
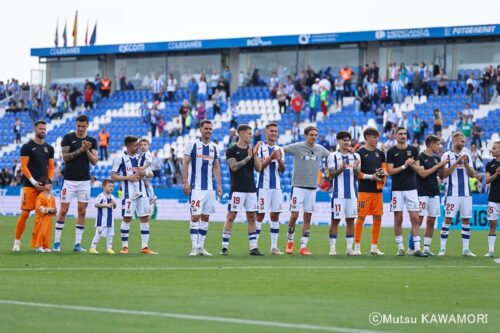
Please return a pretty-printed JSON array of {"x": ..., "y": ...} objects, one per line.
[
  {"x": 105, "y": 203},
  {"x": 45, "y": 208}
]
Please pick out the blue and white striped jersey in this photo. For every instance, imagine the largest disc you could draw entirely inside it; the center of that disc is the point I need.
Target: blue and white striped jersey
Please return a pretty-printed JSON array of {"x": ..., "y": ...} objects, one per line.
[
  {"x": 269, "y": 178},
  {"x": 104, "y": 215},
  {"x": 126, "y": 165},
  {"x": 458, "y": 181},
  {"x": 345, "y": 185},
  {"x": 203, "y": 157}
]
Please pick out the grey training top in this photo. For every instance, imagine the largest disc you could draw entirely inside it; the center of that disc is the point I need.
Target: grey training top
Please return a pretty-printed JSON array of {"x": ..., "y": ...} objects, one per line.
[{"x": 306, "y": 163}]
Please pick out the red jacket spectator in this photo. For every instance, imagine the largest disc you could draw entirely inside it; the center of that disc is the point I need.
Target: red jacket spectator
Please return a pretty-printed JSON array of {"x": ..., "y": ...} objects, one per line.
[{"x": 297, "y": 104}]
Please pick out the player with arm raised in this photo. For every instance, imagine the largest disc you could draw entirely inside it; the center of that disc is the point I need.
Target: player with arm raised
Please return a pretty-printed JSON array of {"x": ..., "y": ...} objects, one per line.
[
  {"x": 307, "y": 158},
  {"x": 269, "y": 191},
  {"x": 458, "y": 196},
  {"x": 37, "y": 161},
  {"x": 493, "y": 178},
  {"x": 402, "y": 161},
  {"x": 126, "y": 170},
  {"x": 242, "y": 160},
  {"x": 78, "y": 151},
  {"x": 344, "y": 167},
  {"x": 201, "y": 163}
]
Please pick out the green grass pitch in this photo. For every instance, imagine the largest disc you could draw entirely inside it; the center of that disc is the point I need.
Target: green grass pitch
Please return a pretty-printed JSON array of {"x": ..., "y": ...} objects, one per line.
[{"x": 172, "y": 292}]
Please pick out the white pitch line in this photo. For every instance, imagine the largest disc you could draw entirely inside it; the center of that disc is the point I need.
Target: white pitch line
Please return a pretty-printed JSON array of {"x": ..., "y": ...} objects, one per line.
[
  {"x": 218, "y": 268},
  {"x": 189, "y": 317}
]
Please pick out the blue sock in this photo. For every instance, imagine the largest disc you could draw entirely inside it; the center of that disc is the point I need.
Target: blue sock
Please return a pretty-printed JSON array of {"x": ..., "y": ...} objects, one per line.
[{"x": 411, "y": 246}]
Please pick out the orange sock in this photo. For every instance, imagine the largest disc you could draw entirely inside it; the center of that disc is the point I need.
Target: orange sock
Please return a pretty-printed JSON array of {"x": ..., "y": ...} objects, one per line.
[
  {"x": 21, "y": 223},
  {"x": 358, "y": 230},
  {"x": 376, "y": 230}
]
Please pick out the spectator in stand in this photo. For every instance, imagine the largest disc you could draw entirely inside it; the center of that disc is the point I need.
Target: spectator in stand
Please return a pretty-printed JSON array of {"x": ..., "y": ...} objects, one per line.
[
  {"x": 73, "y": 99},
  {"x": 273, "y": 85},
  {"x": 227, "y": 76},
  {"x": 392, "y": 119},
  {"x": 145, "y": 112},
  {"x": 331, "y": 138},
  {"x": 471, "y": 88},
  {"x": 442, "y": 81},
  {"x": 297, "y": 106},
  {"x": 153, "y": 118},
  {"x": 466, "y": 128},
  {"x": 476, "y": 160},
  {"x": 416, "y": 127},
  {"x": 346, "y": 74},
  {"x": 171, "y": 87},
  {"x": 157, "y": 88},
  {"x": 201, "y": 113},
  {"x": 389, "y": 142},
  {"x": 404, "y": 121},
  {"x": 323, "y": 142},
  {"x": 193, "y": 91},
  {"x": 397, "y": 90},
  {"x": 203, "y": 87},
  {"x": 403, "y": 74},
  {"x": 233, "y": 138},
  {"x": 485, "y": 84},
  {"x": 160, "y": 125},
  {"x": 315, "y": 86},
  {"x": 339, "y": 84},
  {"x": 52, "y": 112},
  {"x": 214, "y": 80},
  {"x": 257, "y": 136},
  {"x": 494, "y": 84},
  {"x": 88, "y": 97},
  {"x": 3, "y": 91},
  {"x": 184, "y": 110},
  {"x": 6, "y": 177},
  {"x": 325, "y": 185},
  {"x": 379, "y": 118},
  {"x": 155, "y": 164},
  {"x": 477, "y": 133},
  {"x": 217, "y": 101},
  {"x": 467, "y": 112},
  {"x": 355, "y": 131},
  {"x": 359, "y": 94},
  {"x": 373, "y": 72},
  {"x": 103, "y": 144},
  {"x": 17, "y": 130},
  {"x": 235, "y": 112},
  {"x": 372, "y": 89},
  {"x": 416, "y": 83},
  {"x": 223, "y": 87},
  {"x": 295, "y": 132},
  {"x": 169, "y": 169},
  {"x": 438, "y": 121},
  {"x": 323, "y": 97},
  {"x": 95, "y": 183},
  {"x": 282, "y": 98},
  {"x": 105, "y": 87},
  {"x": 314, "y": 101}
]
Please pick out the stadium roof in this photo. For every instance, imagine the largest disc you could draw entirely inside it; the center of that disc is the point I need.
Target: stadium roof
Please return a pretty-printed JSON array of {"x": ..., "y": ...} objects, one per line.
[{"x": 269, "y": 41}]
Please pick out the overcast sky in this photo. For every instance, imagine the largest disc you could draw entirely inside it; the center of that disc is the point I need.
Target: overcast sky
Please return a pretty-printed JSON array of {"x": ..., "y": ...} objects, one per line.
[{"x": 32, "y": 23}]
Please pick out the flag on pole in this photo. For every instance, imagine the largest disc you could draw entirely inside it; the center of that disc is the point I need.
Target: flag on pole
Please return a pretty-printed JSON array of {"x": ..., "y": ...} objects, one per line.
[
  {"x": 87, "y": 34},
  {"x": 65, "y": 38},
  {"x": 94, "y": 35},
  {"x": 56, "y": 40},
  {"x": 75, "y": 29}
]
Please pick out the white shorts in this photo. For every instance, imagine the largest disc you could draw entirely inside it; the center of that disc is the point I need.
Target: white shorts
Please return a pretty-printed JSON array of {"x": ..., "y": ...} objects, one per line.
[
  {"x": 78, "y": 189},
  {"x": 202, "y": 202},
  {"x": 242, "y": 202},
  {"x": 139, "y": 206},
  {"x": 347, "y": 208},
  {"x": 493, "y": 210},
  {"x": 303, "y": 199},
  {"x": 269, "y": 200},
  {"x": 453, "y": 205},
  {"x": 105, "y": 231},
  {"x": 402, "y": 199},
  {"x": 429, "y": 206}
]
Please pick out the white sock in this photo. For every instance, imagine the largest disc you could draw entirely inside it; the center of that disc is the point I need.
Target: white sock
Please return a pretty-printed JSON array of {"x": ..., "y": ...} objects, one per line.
[
  {"x": 349, "y": 240},
  {"x": 151, "y": 191},
  {"x": 357, "y": 247},
  {"x": 109, "y": 242},
  {"x": 399, "y": 242},
  {"x": 202, "y": 234},
  {"x": 252, "y": 239},
  {"x": 275, "y": 232},
  {"x": 58, "y": 232},
  {"x": 465, "y": 236},
  {"x": 445, "y": 230},
  {"x": 333, "y": 240},
  {"x": 258, "y": 227},
  {"x": 427, "y": 243},
  {"x": 79, "y": 233},
  {"x": 194, "y": 231},
  {"x": 491, "y": 243},
  {"x": 144, "y": 234},
  {"x": 96, "y": 238},
  {"x": 125, "y": 229},
  {"x": 416, "y": 243},
  {"x": 304, "y": 239},
  {"x": 226, "y": 235}
]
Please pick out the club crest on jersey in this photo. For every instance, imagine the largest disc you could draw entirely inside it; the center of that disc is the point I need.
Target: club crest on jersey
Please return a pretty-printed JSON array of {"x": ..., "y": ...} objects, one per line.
[
  {"x": 377, "y": 155},
  {"x": 408, "y": 153},
  {"x": 436, "y": 161},
  {"x": 46, "y": 150}
]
